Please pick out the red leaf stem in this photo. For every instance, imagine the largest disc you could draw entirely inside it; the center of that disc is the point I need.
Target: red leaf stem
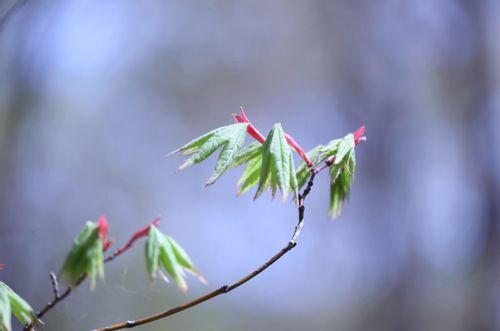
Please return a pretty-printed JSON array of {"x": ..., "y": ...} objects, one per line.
[
  {"x": 137, "y": 235},
  {"x": 253, "y": 132},
  {"x": 298, "y": 149},
  {"x": 103, "y": 226}
]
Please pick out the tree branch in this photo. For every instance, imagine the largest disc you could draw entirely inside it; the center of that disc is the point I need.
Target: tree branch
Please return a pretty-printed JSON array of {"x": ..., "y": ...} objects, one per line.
[{"x": 227, "y": 288}]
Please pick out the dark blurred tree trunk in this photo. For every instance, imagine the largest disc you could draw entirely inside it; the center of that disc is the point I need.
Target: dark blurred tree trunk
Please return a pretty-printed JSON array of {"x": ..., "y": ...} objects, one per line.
[
  {"x": 480, "y": 130},
  {"x": 16, "y": 109}
]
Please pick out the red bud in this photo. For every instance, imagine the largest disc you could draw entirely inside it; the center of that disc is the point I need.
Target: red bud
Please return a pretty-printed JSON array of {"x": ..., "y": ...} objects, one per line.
[
  {"x": 359, "y": 135},
  {"x": 103, "y": 227}
]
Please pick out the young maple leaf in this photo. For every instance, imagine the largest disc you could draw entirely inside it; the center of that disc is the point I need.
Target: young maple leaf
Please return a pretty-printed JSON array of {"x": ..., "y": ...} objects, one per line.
[
  {"x": 164, "y": 255},
  {"x": 85, "y": 256},
  {"x": 304, "y": 170},
  {"x": 341, "y": 178},
  {"x": 230, "y": 138},
  {"x": 342, "y": 168},
  {"x": 12, "y": 304},
  {"x": 277, "y": 170}
]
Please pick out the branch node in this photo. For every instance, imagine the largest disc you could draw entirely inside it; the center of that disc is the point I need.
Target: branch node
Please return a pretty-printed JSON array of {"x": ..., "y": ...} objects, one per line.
[{"x": 55, "y": 285}]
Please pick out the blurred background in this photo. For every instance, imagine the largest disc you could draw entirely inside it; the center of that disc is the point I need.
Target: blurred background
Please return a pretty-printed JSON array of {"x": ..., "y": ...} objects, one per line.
[{"x": 94, "y": 93}]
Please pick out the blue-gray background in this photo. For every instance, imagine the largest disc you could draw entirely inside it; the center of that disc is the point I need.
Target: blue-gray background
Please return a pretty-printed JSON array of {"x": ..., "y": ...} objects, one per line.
[{"x": 93, "y": 93}]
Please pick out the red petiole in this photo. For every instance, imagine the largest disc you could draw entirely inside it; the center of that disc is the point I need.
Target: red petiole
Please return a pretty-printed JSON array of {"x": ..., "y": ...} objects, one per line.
[{"x": 253, "y": 132}]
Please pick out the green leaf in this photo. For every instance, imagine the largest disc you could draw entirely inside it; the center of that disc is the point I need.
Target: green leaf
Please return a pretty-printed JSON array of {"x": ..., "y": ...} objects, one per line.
[
  {"x": 345, "y": 146},
  {"x": 12, "y": 303},
  {"x": 339, "y": 192},
  {"x": 152, "y": 253},
  {"x": 352, "y": 163},
  {"x": 277, "y": 170},
  {"x": 330, "y": 148},
  {"x": 20, "y": 308},
  {"x": 230, "y": 138},
  {"x": 85, "y": 257},
  {"x": 184, "y": 260},
  {"x": 165, "y": 255},
  {"x": 247, "y": 153},
  {"x": 339, "y": 147},
  {"x": 252, "y": 156},
  {"x": 5, "y": 313},
  {"x": 251, "y": 175},
  {"x": 294, "y": 187},
  {"x": 341, "y": 178},
  {"x": 169, "y": 263},
  {"x": 303, "y": 171}
]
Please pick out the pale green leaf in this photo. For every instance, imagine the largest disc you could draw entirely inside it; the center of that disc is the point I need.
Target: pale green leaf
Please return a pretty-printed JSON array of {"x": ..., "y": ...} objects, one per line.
[
  {"x": 183, "y": 259},
  {"x": 247, "y": 153},
  {"x": 195, "y": 144},
  {"x": 169, "y": 263},
  {"x": 85, "y": 256},
  {"x": 230, "y": 138},
  {"x": 12, "y": 303},
  {"x": 341, "y": 178},
  {"x": 5, "y": 313},
  {"x": 251, "y": 174},
  {"x": 339, "y": 192},
  {"x": 277, "y": 170},
  {"x": 96, "y": 262},
  {"x": 235, "y": 139},
  {"x": 330, "y": 148},
  {"x": 152, "y": 252},
  {"x": 294, "y": 187},
  {"x": 339, "y": 147},
  {"x": 303, "y": 171},
  {"x": 21, "y": 309},
  {"x": 165, "y": 255},
  {"x": 345, "y": 146},
  {"x": 351, "y": 162}
]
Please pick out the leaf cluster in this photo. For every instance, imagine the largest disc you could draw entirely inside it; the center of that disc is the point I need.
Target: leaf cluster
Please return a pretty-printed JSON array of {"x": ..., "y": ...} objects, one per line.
[
  {"x": 12, "y": 304},
  {"x": 341, "y": 171},
  {"x": 270, "y": 166},
  {"x": 165, "y": 256},
  {"x": 85, "y": 256},
  {"x": 229, "y": 138}
]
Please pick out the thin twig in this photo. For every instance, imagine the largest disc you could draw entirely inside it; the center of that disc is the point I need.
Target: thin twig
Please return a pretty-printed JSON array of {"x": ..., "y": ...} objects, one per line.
[
  {"x": 57, "y": 298},
  {"x": 55, "y": 284},
  {"x": 227, "y": 288}
]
